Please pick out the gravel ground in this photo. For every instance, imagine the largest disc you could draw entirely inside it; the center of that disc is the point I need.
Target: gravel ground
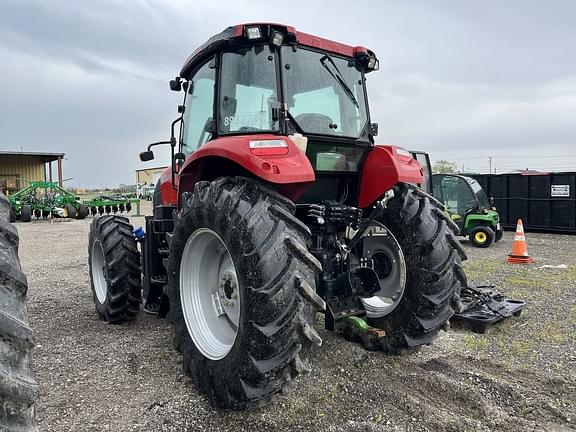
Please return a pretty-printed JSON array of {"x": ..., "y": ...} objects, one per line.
[{"x": 520, "y": 375}]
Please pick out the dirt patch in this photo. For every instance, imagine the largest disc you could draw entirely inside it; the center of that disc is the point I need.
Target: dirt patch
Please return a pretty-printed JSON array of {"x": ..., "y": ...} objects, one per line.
[{"x": 99, "y": 377}]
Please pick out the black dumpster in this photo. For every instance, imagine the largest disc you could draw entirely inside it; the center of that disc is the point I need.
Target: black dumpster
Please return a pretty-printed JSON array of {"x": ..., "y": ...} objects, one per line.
[{"x": 545, "y": 202}]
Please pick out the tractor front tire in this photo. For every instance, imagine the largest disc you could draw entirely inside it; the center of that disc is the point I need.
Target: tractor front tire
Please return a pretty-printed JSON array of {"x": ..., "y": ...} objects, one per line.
[
  {"x": 26, "y": 213},
  {"x": 242, "y": 292},
  {"x": 482, "y": 236},
  {"x": 434, "y": 275},
  {"x": 114, "y": 262},
  {"x": 18, "y": 387}
]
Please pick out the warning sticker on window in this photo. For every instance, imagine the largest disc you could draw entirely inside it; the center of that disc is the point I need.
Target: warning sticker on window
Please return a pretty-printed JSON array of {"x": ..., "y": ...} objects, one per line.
[{"x": 560, "y": 191}]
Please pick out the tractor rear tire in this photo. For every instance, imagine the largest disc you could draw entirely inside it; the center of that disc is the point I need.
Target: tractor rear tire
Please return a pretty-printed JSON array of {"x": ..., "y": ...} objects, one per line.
[
  {"x": 434, "y": 276},
  {"x": 256, "y": 232},
  {"x": 26, "y": 213},
  {"x": 18, "y": 387},
  {"x": 482, "y": 236},
  {"x": 82, "y": 212},
  {"x": 114, "y": 262}
]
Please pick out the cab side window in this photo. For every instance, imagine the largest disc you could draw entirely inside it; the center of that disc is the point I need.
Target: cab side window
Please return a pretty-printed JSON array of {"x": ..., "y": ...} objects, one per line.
[{"x": 199, "y": 113}]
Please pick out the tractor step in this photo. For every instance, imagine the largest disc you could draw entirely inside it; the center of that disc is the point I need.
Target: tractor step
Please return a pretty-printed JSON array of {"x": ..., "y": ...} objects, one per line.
[
  {"x": 484, "y": 307},
  {"x": 160, "y": 280}
]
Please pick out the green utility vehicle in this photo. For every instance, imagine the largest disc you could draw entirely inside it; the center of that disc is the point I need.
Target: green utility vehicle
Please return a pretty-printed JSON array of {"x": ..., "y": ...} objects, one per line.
[{"x": 469, "y": 208}]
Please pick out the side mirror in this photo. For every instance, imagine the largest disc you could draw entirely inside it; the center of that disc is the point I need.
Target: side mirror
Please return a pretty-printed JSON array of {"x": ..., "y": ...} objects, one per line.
[
  {"x": 147, "y": 156},
  {"x": 176, "y": 84}
]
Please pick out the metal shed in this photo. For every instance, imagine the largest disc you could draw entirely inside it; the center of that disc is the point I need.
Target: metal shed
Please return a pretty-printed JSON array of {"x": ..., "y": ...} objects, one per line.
[
  {"x": 18, "y": 168},
  {"x": 149, "y": 175}
]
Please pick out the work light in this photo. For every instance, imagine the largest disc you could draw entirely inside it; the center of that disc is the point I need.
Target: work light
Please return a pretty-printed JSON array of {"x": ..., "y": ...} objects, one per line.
[
  {"x": 253, "y": 33},
  {"x": 373, "y": 63},
  {"x": 277, "y": 38}
]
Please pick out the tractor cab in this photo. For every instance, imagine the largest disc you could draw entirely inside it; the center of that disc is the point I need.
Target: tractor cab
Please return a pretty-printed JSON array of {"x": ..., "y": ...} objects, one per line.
[
  {"x": 280, "y": 89},
  {"x": 469, "y": 207}
]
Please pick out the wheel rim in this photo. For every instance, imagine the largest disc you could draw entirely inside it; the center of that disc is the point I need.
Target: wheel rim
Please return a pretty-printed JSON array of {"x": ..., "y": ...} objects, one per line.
[
  {"x": 209, "y": 294},
  {"x": 382, "y": 247},
  {"x": 480, "y": 237},
  {"x": 98, "y": 272}
]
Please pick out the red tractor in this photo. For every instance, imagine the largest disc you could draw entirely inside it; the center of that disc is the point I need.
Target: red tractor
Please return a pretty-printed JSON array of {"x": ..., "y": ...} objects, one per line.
[{"x": 277, "y": 205}]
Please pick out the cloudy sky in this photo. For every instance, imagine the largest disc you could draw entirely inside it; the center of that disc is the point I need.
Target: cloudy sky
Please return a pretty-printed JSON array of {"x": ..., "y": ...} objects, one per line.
[{"x": 463, "y": 80}]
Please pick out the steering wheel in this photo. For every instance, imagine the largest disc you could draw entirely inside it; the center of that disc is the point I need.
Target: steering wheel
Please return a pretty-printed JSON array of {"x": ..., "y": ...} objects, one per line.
[{"x": 314, "y": 122}]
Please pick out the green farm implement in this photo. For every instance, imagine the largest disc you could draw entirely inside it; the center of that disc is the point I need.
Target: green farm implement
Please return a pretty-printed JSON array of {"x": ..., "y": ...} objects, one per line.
[
  {"x": 43, "y": 199},
  {"x": 107, "y": 204}
]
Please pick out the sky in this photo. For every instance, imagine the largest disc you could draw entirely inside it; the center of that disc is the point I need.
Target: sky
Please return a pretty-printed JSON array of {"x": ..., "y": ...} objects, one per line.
[{"x": 463, "y": 80}]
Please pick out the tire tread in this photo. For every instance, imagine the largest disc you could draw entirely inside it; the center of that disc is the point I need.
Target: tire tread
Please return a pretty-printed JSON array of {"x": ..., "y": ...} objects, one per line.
[{"x": 18, "y": 386}]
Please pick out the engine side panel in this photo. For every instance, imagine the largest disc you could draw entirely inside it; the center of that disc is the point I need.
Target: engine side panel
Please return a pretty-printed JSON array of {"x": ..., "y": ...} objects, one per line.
[{"x": 385, "y": 166}]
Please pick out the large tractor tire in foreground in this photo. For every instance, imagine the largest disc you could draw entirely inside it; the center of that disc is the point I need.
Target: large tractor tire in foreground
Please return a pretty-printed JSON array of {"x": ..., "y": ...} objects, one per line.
[
  {"x": 114, "y": 262},
  {"x": 434, "y": 275},
  {"x": 242, "y": 292},
  {"x": 18, "y": 387}
]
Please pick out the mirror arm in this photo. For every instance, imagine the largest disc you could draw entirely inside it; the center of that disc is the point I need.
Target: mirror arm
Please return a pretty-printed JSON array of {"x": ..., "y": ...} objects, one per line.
[
  {"x": 172, "y": 146},
  {"x": 157, "y": 143}
]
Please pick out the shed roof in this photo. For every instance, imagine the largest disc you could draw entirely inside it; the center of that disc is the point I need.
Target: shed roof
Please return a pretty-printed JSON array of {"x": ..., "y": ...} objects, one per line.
[
  {"x": 46, "y": 157},
  {"x": 152, "y": 168}
]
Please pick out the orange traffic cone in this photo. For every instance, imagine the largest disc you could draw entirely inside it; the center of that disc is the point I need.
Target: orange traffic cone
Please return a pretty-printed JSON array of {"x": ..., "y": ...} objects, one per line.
[{"x": 519, "y": 253}]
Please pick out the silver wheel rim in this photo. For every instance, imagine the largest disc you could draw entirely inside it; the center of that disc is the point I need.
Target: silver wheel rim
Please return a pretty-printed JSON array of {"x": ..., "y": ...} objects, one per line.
[
  {"x": 209, "y": 294},
  {"x": 98, "y": 271},
  {"x": 384, "y": 249}
]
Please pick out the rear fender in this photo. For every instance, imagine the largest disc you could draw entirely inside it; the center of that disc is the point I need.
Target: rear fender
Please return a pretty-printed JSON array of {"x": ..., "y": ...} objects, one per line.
[
  {"x": 291, "y": 172},
  {"x": 386, "y": 166}
]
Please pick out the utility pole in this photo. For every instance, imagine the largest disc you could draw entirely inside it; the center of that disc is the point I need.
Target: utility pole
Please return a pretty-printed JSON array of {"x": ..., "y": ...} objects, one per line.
[{"x": 490, "y": 163}]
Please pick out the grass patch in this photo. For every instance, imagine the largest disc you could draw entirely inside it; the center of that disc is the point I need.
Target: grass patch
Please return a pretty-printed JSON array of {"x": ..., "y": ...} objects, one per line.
[
  {"x": 481, "y": 267},
  {"x": 553, "y": 333},
  {"x": 475, "y": 342},
  {"x": 521, "y": 347}
]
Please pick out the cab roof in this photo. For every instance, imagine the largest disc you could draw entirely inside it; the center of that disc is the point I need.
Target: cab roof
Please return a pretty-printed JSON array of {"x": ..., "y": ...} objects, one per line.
[{"x": 234, "y": 35}]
